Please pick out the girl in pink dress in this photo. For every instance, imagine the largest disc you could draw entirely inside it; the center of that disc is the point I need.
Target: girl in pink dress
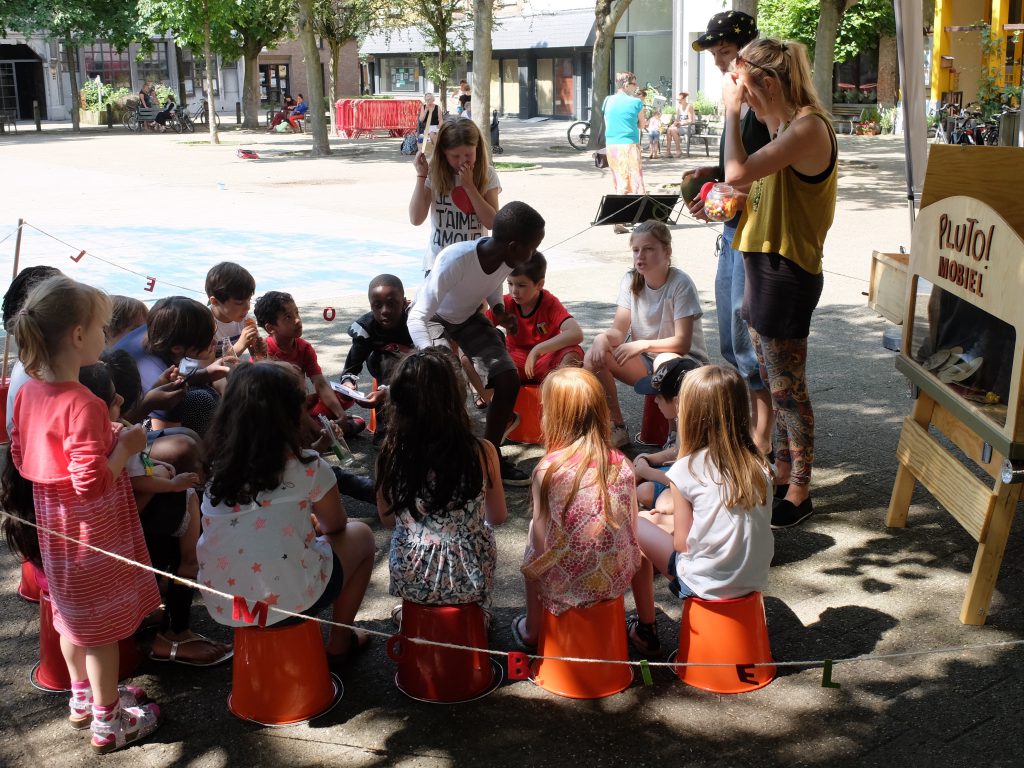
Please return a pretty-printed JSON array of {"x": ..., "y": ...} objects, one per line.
[
  {"x": 582, "y": 547},
  {"x": 64, "y": 443}
]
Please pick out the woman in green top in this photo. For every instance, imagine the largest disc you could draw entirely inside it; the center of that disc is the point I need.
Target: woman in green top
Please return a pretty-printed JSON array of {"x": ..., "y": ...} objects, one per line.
[{"x": 788, "y": 212}]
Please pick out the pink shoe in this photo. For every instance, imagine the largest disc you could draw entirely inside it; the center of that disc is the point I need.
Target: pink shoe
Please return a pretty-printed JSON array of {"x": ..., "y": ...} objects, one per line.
[
  {"x": 81, "y": 703},
  {"x": 120, "y": 727}
]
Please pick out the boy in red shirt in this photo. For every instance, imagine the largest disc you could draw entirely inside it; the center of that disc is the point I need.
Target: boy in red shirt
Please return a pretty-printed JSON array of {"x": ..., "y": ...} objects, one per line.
[
  {"x": 543, "y": 336},
  {"x": 279, "y": 317}
]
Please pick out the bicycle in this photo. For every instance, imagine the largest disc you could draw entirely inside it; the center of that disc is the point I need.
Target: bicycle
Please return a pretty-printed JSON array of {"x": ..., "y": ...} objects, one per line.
[
  {"x": 201, "y": 114},
  {"x": 180, "y": 122},
  {"x": 579, "y": 135}
]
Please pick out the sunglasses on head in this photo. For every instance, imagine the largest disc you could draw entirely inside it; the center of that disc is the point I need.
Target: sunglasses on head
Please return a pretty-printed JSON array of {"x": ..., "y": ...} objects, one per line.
[{"x": 740, "y": 61}]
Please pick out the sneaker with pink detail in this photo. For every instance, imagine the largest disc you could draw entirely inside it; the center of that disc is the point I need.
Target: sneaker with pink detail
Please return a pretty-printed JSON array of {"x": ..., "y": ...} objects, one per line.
[
  {"x": 81, "y": 702},
  {"x": 117, "y": 727}
]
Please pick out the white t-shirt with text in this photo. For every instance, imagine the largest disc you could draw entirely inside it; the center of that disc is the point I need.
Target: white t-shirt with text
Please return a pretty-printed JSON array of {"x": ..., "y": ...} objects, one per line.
[{"x": 453, "y": 219}]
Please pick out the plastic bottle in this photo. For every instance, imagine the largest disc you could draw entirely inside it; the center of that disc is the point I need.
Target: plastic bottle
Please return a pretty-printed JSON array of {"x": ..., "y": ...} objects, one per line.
[
  {"x": 258, "y": 349},
  {"x": 338, "y": 446}
]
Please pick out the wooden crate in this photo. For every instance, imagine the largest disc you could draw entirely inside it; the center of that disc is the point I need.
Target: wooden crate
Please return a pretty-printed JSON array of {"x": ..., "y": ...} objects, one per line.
[{"x": 887, "y": 292}]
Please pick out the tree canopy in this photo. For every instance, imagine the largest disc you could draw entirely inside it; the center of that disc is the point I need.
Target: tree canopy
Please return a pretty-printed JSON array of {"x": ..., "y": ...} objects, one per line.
[{"x": 859, "y": 28}]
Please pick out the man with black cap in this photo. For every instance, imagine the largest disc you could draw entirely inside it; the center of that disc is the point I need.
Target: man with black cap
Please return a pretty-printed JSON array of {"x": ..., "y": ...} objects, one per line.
[{"x": 726, "y": 34}]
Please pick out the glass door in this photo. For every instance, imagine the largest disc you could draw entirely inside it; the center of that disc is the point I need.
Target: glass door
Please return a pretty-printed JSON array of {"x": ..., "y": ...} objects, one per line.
[{"x": 8, "y": 89}]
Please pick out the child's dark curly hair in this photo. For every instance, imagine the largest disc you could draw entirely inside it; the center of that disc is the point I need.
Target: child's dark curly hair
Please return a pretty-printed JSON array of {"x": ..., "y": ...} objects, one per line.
[
  {"x": 255, "y": 429},
  {"x": 429, "y": 451},
  {"x": 16, "y": 499},
  {"x": 269, "y": 306}
]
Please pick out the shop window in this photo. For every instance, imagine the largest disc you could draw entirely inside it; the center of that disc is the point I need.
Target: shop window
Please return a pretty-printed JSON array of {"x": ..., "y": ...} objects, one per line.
[
  {"x": 153, "y": 68},
  {"x": 400, "y": 74},
  {"x": 564, "y": 88},
  {"x": 103, "y": 61},
  {"x": 647, "y": 16}
]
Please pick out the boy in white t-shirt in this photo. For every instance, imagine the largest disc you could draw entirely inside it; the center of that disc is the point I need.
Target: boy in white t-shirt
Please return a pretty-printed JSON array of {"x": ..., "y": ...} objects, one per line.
[
  {"x": 448, "y": 307},
  {"x": 230, "y": 287}
]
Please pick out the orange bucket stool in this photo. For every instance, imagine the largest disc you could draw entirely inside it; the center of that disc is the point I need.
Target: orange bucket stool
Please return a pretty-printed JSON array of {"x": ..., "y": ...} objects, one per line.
[
  {"x": 529, "y": 407},
  {"x": 435, "y": 674},
  {"x": 725, "y": 632},
  {"x": 654, "y": 427},
  {"x": 595, "y": 632},
  {"x": 30, "y": 585},
  {"x": 279, "y": 675},
  {"x": 51, "y": 672}
]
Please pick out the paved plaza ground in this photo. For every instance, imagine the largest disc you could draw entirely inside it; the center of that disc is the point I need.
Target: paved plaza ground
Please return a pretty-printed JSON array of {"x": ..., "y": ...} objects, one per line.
[{"x": 842, "y": 584}]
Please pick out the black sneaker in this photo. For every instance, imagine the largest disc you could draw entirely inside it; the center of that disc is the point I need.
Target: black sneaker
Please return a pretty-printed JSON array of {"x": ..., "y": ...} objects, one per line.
[
  {"x": 513, "y": 475},
  {"x": 786, "y": 514}
]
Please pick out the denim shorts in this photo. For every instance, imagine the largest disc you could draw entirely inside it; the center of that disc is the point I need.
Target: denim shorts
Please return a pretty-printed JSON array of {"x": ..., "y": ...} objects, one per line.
[
  {"x": 675, "y": 586},
  {"x": 327, "y": 598}
]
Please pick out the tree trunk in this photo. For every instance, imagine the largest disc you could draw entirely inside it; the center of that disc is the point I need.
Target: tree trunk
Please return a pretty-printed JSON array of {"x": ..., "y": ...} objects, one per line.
[
  {"x": 442, "y": 83},
  {"x": 481, "y": 103},
  {"x": 334, "y": 86},
  {"x": 748, "y": 7},
  {"x": 825, "y": 49},
  {"x": 251, "y": 87},
  {"x": 211, "y": 106},
  {"x": 311, "y": 56},
  {"x": 71, "y": 59},
  {"x": 887, "y": 66},
  {"x": 606, "y": 18},
  {"x": 179, "y": 62}
]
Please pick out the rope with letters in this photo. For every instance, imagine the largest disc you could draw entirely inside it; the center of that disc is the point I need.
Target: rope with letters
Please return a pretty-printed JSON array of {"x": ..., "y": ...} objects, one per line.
[{"x": 258, "y": 615}]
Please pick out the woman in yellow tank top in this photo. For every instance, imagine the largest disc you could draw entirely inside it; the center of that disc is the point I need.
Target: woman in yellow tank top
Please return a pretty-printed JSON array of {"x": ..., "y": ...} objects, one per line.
[{"x": 789, "y": 209}]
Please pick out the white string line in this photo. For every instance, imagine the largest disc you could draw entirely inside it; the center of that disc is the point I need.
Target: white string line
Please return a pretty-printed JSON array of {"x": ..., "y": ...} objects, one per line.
[
  {"x": 12, "y": 233},
  {"x": 107, "y": 261},
  {"x": 457, "y": 647},
  {"x": 311, "y": 304}
]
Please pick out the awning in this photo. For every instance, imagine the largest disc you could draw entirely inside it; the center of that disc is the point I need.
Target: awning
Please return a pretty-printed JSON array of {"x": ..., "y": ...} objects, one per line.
[{"x": 568, "y": 29}]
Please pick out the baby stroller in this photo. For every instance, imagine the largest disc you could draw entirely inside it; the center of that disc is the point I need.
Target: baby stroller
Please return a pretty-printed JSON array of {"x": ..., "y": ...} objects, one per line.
[{"x": 495, "y": 144}]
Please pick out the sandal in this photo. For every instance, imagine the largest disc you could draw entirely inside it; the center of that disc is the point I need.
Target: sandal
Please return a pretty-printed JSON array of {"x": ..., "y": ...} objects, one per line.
[
  {"x": 176, "y": 645},
  {"x": 396, "y": 616},
  {"x": 340, "y": 662},
  {"x": 643, "y": 638},
  {"x": 517, "y": 635}
]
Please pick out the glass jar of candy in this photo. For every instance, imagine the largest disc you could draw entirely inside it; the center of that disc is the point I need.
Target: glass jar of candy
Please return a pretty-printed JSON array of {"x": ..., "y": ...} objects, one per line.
[{"x": 722, "y": 203}]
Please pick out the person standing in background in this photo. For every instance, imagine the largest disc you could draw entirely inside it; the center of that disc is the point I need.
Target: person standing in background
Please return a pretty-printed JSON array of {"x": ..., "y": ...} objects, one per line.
[
  {"x": 726, "y": 33},
  {"x": 624, "y": 119}
]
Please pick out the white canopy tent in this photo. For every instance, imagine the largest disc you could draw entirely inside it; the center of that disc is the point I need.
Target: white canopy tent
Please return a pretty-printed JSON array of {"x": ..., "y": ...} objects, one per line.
[{"x": 910, "y": 53}]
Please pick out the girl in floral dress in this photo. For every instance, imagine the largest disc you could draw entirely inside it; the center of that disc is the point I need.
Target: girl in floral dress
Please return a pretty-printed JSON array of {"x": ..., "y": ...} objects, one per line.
[
  {"x": 439, "y": 487},
  {"x": 582, "y": 546}
]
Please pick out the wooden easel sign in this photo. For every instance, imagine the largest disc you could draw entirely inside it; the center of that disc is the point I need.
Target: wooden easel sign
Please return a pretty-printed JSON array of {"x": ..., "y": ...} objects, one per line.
[{"x": 962, "y": 342}]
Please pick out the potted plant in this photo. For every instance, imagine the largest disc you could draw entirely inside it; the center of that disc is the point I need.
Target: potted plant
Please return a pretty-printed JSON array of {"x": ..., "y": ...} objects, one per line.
[{"x": 869, "y": 123}]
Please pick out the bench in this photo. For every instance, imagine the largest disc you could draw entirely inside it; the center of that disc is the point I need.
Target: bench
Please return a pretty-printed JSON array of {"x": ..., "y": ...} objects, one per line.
[
  {"x": 847, "y": 116},
  {"x": 144, "y": 115},
  {"x": 8, "y": 118},
  {"x": 701, "y": 132}
]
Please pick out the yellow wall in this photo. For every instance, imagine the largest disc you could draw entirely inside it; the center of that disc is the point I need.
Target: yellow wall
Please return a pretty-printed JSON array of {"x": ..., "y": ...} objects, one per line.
[{"x": 965, "y": 47}]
